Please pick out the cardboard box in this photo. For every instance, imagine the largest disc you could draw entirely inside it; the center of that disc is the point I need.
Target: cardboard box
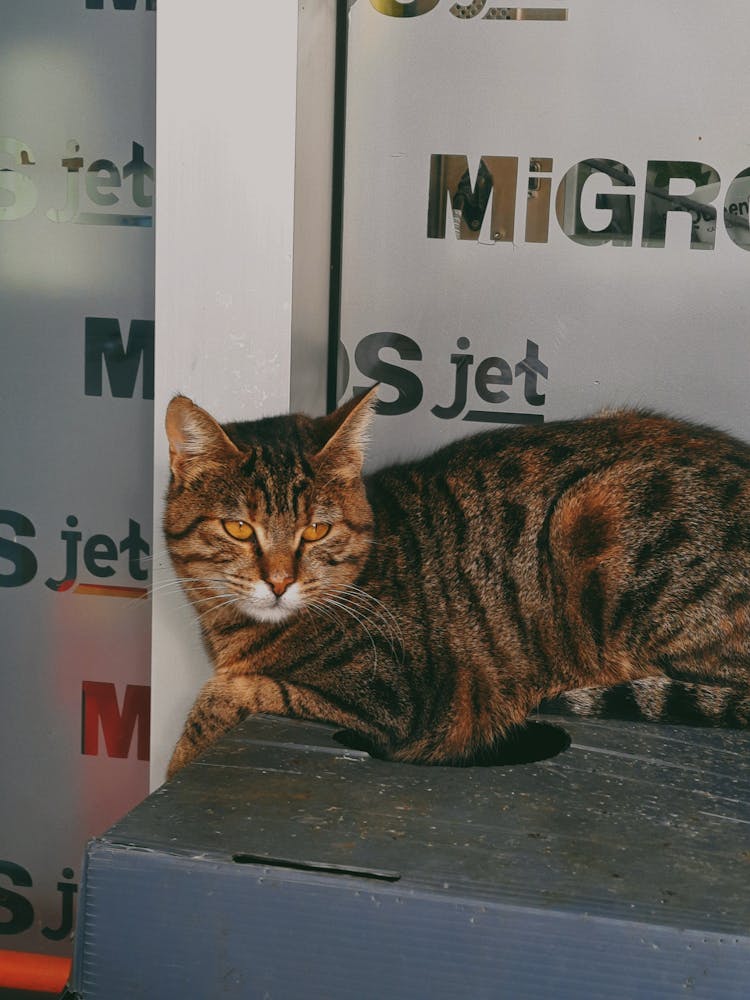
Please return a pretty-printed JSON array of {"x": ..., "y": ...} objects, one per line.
[{"x": 285, "y": 866}]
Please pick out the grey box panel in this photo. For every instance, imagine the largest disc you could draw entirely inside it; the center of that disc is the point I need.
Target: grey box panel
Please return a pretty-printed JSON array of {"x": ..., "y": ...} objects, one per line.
[{"x": 618, "y": 868}]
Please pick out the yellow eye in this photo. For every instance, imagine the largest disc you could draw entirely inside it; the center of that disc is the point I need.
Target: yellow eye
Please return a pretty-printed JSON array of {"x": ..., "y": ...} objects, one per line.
[
  {"x": 314, "y": 532},
  {"x": 240, "y": 530}
]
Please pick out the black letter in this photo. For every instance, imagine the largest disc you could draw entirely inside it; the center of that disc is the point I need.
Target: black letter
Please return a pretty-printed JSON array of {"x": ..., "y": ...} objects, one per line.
[
  {"x": 369, "y": 362},
  {"x": 96, "y": 549},
  {"x": 484, "y": 378},
  {"x": 71, "y": 539},
  {"x": 21, "y": 910},
  {"x": 134, "y": 545},
  {"x": 119, "y": 4},
  {"x": 104, "y": 345},
  {"x": 463, "y": 363},
  {"x": 68, "y": 890},
  {"x": 532, "y": 367},
  {"x": 22, "y": 557}
]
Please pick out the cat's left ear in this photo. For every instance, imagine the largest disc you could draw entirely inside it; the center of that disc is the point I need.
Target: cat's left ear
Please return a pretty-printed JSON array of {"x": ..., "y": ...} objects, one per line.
[{"x": 347, "y": 429}]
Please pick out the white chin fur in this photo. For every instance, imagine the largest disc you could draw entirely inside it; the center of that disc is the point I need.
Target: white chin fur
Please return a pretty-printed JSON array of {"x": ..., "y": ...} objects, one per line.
[{"x": 264, "y": 606}]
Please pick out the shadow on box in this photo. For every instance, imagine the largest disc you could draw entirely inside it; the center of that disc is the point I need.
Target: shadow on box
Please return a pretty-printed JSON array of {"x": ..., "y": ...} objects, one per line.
[{"x": 531, "y": 743}]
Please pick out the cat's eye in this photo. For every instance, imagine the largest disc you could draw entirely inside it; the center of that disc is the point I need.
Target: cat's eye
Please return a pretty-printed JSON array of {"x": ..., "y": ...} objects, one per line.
[
  {"x": 240, "y": 530},
  {"x": 314, "y": 532}
]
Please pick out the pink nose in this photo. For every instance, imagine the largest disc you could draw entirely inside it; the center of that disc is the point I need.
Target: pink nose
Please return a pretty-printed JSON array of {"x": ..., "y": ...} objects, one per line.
[{"x": 279, "y": 584}]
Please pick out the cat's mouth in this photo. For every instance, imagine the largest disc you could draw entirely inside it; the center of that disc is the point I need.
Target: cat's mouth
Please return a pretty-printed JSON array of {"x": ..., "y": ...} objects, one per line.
[{"x": 263, "y": 605}]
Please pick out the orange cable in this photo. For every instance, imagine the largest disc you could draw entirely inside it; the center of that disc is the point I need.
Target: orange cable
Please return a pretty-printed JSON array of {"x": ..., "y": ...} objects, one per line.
[{"x": 23, "y": 970}]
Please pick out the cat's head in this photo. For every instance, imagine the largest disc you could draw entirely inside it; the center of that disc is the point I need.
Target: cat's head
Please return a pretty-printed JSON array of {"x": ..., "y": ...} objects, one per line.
[{"x": 269, "y": 517}]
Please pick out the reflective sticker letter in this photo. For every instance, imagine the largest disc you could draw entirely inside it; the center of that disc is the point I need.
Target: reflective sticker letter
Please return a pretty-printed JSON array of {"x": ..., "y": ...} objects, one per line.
[
  {"x": 404, "y": 8},
  {"x": 569, "y": 206},
  {"x": 20, "y": 187},
  {"x": 537, "y": 199},
  {"x": 110, "y": 180},
  {"x": 703, "y": 183},
  {"x": 450, "y": 178},
  {"x": 736, "y": 217},
  {"x": 468, "y": 10},
  {"x": 138, "y": 169}
]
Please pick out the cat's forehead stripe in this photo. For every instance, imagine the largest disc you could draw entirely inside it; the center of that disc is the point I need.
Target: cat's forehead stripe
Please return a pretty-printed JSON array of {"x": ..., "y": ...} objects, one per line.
[
  {"x": 259, "y": 484},
  {"x": 298, "y": 488},
  {"x": 280, "y": 475}
]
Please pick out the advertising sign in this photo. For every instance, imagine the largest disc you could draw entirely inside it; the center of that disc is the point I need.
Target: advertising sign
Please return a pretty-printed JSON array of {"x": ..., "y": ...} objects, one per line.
[
  {"x": 545, "y": 213},
  {"x": 76, "y": 396}
]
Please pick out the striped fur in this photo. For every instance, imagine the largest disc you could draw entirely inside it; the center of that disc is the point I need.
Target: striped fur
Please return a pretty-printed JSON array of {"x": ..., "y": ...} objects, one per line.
[
  {"x": 657, "y": 699},
  {"x": 452, "y": 594}
]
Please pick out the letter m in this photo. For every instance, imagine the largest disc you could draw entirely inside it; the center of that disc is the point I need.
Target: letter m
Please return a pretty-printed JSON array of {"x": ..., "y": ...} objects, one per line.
[
  {"x": 100, "y": 708},
  {"x": 450, "y": 179},
  {"x": 119, "y": 4},
  {"x": 104, "y": 347}
]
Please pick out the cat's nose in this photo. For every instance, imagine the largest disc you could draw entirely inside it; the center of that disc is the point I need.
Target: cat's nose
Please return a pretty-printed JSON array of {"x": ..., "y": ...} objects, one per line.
[{"x": 279, "y": 584}]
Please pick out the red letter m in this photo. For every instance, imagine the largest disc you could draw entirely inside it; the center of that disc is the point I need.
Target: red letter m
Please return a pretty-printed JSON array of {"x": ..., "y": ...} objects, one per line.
[{"x": 100, "y": 704}]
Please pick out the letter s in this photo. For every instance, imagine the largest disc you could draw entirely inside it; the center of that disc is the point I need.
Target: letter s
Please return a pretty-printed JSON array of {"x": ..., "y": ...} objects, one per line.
[
  {"x": 21, "y": 910},
  {"x": 23, "y": 559},
  {"x": 21, "y": 188},
  {"x": 406, "y": 383}
]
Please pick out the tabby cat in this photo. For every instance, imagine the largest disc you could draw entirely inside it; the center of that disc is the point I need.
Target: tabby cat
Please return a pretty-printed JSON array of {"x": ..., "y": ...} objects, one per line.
[{"x": 430, "y": 607}]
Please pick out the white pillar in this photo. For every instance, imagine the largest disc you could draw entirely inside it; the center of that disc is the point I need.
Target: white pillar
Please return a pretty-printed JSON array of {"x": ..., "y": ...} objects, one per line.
[{"x": 227, "y": 78}]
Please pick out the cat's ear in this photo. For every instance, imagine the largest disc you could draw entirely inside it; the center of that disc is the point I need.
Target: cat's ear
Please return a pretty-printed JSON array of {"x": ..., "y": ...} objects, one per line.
[
  {"x": 194, "y": 437},
  {"x": 347, "y": 432}
]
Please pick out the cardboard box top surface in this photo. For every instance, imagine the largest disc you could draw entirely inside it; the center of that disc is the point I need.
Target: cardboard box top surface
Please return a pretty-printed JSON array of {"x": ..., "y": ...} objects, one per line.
[{"x": 633, "y": 821}]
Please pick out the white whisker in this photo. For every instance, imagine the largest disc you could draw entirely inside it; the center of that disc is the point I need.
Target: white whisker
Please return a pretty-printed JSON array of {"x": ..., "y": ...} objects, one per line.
[
  {"x": 324, "y": 611},
  {"x": 211, "y": 597},
  {"x": 176, "y": 583},
  {"x": 361, "y": 621},
  {"x": 377, "y": 614},
  {"x": 234, "y": 599}
]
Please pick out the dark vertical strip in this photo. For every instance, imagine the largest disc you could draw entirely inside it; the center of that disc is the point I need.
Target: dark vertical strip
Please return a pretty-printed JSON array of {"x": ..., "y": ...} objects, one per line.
[
  {"x": 592, "y": 605},
  {"x": 620, "y": 702},
  {"x": 337, "y": 203},
  {"x": 436, "y": 208}
]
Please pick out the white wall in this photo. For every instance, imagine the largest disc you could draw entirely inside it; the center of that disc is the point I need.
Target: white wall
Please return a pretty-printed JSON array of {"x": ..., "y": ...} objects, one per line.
[{"x": 657, "y": 326}]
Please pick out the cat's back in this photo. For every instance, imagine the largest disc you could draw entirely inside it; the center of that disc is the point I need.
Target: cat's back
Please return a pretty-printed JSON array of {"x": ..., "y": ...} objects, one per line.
[
  {"x": 625, "y": 466},
  {"x": 568, "y": 543},
  {"x": 540, "y": 457}
]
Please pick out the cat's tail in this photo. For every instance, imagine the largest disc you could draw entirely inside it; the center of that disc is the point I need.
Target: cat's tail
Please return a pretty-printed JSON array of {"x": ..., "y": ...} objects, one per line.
[{"x": 657, "y": 699}]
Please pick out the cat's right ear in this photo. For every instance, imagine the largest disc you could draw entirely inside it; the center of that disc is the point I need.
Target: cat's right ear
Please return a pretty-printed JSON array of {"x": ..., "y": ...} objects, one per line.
[
  {"x": 194, "y": 437},
  {"x": 347, "y": 429}
]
